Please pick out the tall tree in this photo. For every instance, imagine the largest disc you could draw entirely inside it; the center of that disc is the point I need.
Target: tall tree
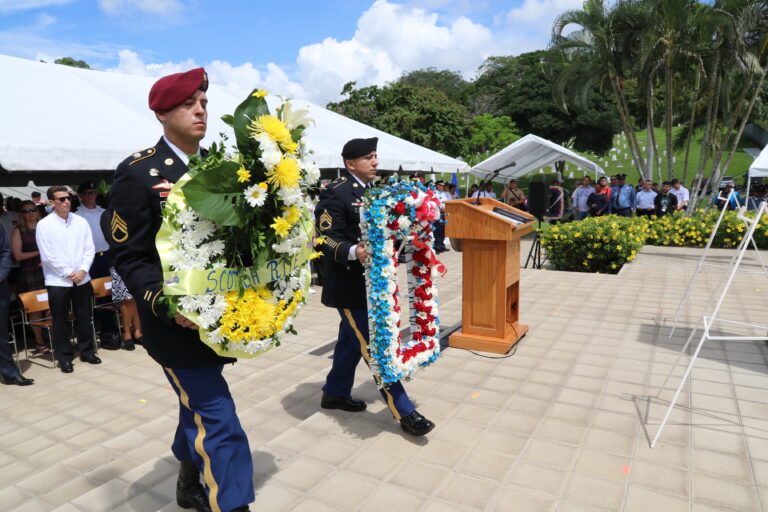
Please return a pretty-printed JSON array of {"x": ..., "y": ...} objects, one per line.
[{"x": 450, "y": 83}]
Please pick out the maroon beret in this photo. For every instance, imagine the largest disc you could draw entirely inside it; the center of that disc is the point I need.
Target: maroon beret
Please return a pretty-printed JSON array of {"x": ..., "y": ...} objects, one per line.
[{"x": 171, "y": 90}]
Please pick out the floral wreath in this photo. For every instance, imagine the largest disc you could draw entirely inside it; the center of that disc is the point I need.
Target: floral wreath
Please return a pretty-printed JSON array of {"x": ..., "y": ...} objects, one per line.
[
  {"x": 234, "y": 240},
  {"x": 401, "y": 212}
]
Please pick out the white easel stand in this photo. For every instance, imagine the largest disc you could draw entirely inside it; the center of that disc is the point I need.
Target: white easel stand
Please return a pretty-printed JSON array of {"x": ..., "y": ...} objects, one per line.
[
  {"x": 702, "y": 262},
  {"x": 709, "y": 320}
]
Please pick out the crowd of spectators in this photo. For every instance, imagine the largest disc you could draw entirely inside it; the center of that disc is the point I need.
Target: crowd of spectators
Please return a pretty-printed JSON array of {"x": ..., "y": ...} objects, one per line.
[{"x": 50, "y": 245}]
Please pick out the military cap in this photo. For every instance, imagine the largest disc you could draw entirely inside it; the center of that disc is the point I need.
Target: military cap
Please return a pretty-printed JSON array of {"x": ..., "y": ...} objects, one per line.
[
  {"x": 621, "y": 176},
  {"x": 439, "y": 182},
  {"x": 356, "y": 148},
  {"x": 171, "y": 90},
  {"x": 36, "y": 194},
  {"x": 86, "y": 185}
]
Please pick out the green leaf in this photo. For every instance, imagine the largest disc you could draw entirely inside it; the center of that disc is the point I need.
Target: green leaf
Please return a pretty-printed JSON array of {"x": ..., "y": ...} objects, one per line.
[
  {"x": 252, "y": 107},
  {"x": 214, "y": 194},
  {"x": 229, "y": 119}
]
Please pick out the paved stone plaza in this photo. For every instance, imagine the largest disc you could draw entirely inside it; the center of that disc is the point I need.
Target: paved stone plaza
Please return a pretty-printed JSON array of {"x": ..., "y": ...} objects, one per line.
[{"x": 562, "y": 425}]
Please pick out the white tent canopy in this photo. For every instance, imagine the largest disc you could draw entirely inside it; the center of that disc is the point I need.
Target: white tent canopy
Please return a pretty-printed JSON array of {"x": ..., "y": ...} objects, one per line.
[
  {"x": 759, "y": 167},
  {"x": 60, "y": 118},
  {"x": 527, "y": 155}
]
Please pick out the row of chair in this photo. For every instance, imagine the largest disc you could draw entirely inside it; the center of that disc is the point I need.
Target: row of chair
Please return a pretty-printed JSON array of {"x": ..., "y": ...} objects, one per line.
[{"x": 37, "y": 301}]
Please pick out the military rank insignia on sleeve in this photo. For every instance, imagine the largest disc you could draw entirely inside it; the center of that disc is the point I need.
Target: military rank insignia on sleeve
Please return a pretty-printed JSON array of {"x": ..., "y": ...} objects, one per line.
[
  {"x": 325, "y": 220},
  {"x": 119, "y": 228}
]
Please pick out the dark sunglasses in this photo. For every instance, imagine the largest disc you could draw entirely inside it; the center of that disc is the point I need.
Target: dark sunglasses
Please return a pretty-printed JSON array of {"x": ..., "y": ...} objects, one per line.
[
  {"x": 62, "y": 199},
  {"x": 29, "y": 210}
]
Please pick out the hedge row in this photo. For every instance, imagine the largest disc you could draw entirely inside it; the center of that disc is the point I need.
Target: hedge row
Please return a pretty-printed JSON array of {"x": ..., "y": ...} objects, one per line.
[{"x": 604, "y": 244}]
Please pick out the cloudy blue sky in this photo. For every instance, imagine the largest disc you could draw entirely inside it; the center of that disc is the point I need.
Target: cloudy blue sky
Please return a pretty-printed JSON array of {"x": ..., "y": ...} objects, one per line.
[{"x": 298, "y": 48}]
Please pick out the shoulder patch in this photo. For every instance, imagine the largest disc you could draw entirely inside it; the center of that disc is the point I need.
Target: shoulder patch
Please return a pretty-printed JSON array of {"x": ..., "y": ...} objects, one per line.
[
  {"x": 141, "y": 155},
  {"x": 325, "y": 221},
  {"x": 338, "y": 182}
]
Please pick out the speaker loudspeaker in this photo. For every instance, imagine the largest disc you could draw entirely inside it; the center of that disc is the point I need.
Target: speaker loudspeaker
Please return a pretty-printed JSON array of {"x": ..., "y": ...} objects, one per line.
[{"x": 537, "y": 198}]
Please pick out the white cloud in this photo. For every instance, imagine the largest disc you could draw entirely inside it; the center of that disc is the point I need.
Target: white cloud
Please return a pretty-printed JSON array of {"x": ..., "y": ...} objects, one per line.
[
  {"x": 165, "y": 8},
  {"x": 244, "y": 77},
  {"x": 390, "y": 39},
  {"x": 22, "y": 5}
]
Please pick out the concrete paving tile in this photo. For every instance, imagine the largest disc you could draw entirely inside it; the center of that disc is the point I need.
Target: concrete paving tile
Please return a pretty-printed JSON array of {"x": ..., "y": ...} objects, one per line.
[
  {"x": 459, "y": 432},
  {"x": 661, "y": 478},
  {"x": 562, "y": 431},
  {"x": 275, "y": 497},
  {"x": 12, "y": 496},
  {"x": 643, "y": 500},
  {"x": 310, "y": 505},
  {"x": 330, "y": 451},
  {"x": 603, "y": 465},
  {"x": 725, "y": 493},
  {"x": 539, "y": 478},
  {"x": 143, "y": 501},
  {"x": 487, "y": 464},
  {"x": 68, "y": 491},
  {"x": 595, "y": 492},
  {"x": 468, "y": 491},
  {"x": 32, "y": 506},
  {"x": 47, "y": 479},
  {"x": 528, "y": 404},
  {"x": 717, "y": 464},
  {"x": 513, "y": 500},
  {"x": 388, "y": 497},
  {"x": 517, "y": 421},
  {"x": 441, "y": 453},
  {"x": 345, "y": 490},
  {"x": 502, "y": 441},
  {"x": 377, "y": 465},
  {"x": 16, "y": 472},
  {"x": 550, "y": 453},
  {"x": 602, "y": 440}
]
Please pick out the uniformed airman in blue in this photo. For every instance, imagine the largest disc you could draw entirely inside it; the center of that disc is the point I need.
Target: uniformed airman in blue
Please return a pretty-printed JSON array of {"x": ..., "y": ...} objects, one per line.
[
  {"x": 209, "y": 438},
  {"x": 338, "y": 220}
]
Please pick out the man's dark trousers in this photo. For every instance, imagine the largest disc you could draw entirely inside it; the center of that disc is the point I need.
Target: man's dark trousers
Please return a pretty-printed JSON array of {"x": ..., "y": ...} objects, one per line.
[
  {"x": 209, "y": 433},
  {"x": 59, "y": 298},
  {"x": 350, "y": 347},
  {"x": 8, "y": 368}
]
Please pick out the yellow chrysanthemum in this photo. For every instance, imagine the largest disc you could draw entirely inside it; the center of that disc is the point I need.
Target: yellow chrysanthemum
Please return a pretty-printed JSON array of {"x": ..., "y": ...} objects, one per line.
[
  {"x": 259, "y": 93},
  {"x": 264, "y": 292},
  {"x": 276, "y": 130},
  {"x": 292, "y": 214},
  {"x": 243, "y": 175},
  {"x": 248, "y": 317},
  {"x": 286, "y": 173},
  {"x": 315, "y": 255},
  {"x": 281, "y": 227}
]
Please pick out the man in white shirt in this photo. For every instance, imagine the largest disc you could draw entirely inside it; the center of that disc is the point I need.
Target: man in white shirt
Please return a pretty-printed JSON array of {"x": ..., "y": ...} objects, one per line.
[
  {"x": 92, "y": 212},
  {"x": 646, "y": 200},
  {"x": 682, "y": 194},
  {"x": 580, "y": 196},
  {"x": 66, "y": 251}
]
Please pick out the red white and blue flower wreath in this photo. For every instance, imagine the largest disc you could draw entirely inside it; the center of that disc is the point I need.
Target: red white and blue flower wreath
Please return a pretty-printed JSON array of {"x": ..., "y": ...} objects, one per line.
[{"x": 401, "y": 212}]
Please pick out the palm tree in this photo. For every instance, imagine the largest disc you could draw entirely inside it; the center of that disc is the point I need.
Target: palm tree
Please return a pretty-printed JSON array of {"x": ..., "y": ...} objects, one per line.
[{"x": 601, "y": 47}]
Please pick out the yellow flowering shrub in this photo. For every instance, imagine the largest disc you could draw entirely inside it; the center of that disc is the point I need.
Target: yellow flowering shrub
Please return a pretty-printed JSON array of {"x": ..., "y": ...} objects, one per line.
[
  {"x": 604, "y": 244},
  {"x": 595, "y": 244}
]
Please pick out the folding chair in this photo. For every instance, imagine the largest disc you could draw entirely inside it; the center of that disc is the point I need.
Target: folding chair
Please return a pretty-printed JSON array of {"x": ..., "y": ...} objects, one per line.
[
  {"x": 34, "y": 302},
  {"x": 102, "y": 289},
  {"x": 12, "y": 334}
]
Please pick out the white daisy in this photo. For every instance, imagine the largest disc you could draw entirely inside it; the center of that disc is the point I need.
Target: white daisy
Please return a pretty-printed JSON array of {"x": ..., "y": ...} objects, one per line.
[{"x": 256, "y": 194}]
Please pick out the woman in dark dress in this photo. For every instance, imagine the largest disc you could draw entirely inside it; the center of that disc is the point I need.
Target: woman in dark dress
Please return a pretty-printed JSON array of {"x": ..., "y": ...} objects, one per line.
[{"x": 25, "y": 251}]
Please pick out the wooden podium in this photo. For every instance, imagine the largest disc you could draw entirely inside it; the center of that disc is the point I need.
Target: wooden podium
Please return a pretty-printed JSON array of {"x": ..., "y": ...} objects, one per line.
[{"x": 491, "y": 272}]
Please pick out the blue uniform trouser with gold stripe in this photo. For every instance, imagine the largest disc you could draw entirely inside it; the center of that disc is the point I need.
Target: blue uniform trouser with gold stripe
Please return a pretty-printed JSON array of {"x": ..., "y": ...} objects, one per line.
[
  {"x": 350, "y": 347},
  {"x": 209, "y": 433}
]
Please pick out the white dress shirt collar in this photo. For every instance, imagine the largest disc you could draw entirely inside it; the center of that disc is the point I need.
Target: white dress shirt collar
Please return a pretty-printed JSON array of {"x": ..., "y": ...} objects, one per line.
[{"x": 182, "y": 155}]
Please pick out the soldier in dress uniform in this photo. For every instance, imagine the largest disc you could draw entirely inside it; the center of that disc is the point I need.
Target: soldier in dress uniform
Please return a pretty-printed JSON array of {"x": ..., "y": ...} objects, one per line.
[
  {"x": 209, "y": 438},
  {"x": 338, "y": 220}
]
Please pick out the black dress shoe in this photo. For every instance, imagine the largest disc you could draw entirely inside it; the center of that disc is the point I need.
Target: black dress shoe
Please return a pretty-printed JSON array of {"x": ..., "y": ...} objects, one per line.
[
  {"x": 92, "y": 359},
  {"x": 128, "y": 344},
  {"x": 345, "y": 404},
  {"x": 66, "y": 366},
  {"x": 416, "y": 424},
  {"x": 139, "y": 340},
  {"x": 111, "y": 344},
  {"x": 189, "y": 491},
  {"x": 19, "y": 380}
]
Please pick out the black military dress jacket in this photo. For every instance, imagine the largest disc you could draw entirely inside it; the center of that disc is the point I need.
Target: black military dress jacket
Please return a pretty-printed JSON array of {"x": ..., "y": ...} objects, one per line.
[
  {"x": 142, "y": 183},
  {"x": 338, "y": 220}
]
